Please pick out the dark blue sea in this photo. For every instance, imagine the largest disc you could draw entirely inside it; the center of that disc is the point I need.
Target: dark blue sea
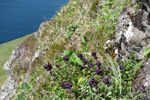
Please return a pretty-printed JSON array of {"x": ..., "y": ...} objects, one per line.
[{"x": 22, "y": 17}]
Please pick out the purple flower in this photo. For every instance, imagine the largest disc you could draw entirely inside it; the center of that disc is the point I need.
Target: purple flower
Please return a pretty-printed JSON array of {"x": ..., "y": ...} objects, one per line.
[
  {"x": 94, "y": 55},
  {"x": 121, "y": 67},
  {"x": 48, "y": 67},
  {"x": 142, "y": 88},
  {"x": 84, "y": 61},
  {"x": 145, "y": 97},
  {"x": 106, "y": 80},
  {"x": 84, "y": 95},
  {"x": 80, "y": 55},
  {"x": 57, "y": 66},
  {"x": 93, "y": 82},
  {"x": 66, "y": 85},
  {"x": 66, "y": 58},
  {"x": 99, "y": 71},
  {"x": 98, "y": 63}
]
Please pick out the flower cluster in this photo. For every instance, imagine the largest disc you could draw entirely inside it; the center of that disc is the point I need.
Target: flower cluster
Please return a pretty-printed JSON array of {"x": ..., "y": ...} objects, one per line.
[
  {"x": 99, "y": 71},
  {"x": 98, "y": 63},
  {"x": 121, "y": 67},
  {"x": 93, "y": 82},
  {"x": 66, "y": 58},
  {"x": 57, "y": 66},
  {"x": 106, "y": 80},
  {"x": 48, "y": 67},
  {"x": 94, "y": 55},
  {"x": 80, "y": 55},
  {"x": 145, "y": 97},
  {"x": 66, "y": 85},
  {"x": 142, "y": 88}
]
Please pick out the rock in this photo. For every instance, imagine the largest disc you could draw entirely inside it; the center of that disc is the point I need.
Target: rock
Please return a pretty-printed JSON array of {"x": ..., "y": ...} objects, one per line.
[
  {"x": 132, "y": 36},
  {"x": 9, "y": 87}
]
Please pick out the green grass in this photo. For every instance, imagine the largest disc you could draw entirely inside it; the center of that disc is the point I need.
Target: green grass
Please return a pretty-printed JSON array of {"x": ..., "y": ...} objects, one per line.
[{"x": 5, "y": 52}]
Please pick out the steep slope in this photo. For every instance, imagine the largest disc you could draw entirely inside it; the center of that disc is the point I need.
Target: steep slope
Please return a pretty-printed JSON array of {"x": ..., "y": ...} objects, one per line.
[{"x": 80, "y": 26}]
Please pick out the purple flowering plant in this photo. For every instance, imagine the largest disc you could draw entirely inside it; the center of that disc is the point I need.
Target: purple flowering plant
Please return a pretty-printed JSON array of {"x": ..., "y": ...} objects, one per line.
[{"x": 79, "y": 74}]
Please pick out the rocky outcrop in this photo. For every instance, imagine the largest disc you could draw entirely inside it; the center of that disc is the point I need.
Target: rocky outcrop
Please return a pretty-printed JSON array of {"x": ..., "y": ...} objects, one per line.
[
  {"x": 132, "y": 36},
  {"x": 8, "y": 89}
]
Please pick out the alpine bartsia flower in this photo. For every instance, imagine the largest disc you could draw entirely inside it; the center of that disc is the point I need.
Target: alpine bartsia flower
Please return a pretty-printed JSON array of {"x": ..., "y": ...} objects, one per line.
[
  {"x": 94, "y": 55},
  {"x": 98, "y": 63},
  {"x": 121, "y": 67},
  {"x": 142, "y": 88},
  {"x": 80, "y": 55},
  {"x": 57, "y": 66},
  {"x": 99, "y": 71},
  {"x": 93, "y": 82},
  {"x": 66, "y": 85},
  {"x": 84, "y": 61},
  {"x": 84, "y": 95},
  {"x": 48, "y": 67},
  {"x": 106, "y": 80},
  {"x": 66, "y": 58},
  {"x": 145, "y": 97}
]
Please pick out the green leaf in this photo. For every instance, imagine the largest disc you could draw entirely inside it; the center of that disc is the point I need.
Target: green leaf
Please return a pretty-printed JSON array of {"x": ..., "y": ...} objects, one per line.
[
  {"x": 102, "y": 98},
  {"x": 146, "y": 52},
  {"x": 83, "y": 39},
  {"x": 109, "y": 93},
  {"x": 75, "y": 60},
  {"x": 139, "y": 64},
  {"x": 135, "y": 98},
  {"x": 66, "y": 52},
  {"x": 59, "y": 59},
  {"x": 98, "y": 29}
]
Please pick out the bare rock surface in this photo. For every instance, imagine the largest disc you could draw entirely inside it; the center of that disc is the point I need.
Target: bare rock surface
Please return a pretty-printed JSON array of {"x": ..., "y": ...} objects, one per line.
[{"x": 132, "y": 36}]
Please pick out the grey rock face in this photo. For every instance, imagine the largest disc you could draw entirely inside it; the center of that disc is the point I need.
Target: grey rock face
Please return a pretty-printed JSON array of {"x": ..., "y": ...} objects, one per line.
[
  {"x": 133, "y": 37},
  {"x": 132, "y": 34}
]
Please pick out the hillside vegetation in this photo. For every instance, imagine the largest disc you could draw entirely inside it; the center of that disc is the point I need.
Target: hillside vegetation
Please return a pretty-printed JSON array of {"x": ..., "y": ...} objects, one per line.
[{"x": 73, "y": 64}]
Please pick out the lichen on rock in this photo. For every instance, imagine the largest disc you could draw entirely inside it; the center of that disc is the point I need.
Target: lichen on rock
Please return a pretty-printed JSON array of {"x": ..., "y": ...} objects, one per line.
[{"x": 132, "y": 36}]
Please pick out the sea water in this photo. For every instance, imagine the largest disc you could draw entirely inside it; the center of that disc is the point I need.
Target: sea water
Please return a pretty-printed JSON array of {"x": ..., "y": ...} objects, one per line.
[{"x": 22, "y": 17}]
